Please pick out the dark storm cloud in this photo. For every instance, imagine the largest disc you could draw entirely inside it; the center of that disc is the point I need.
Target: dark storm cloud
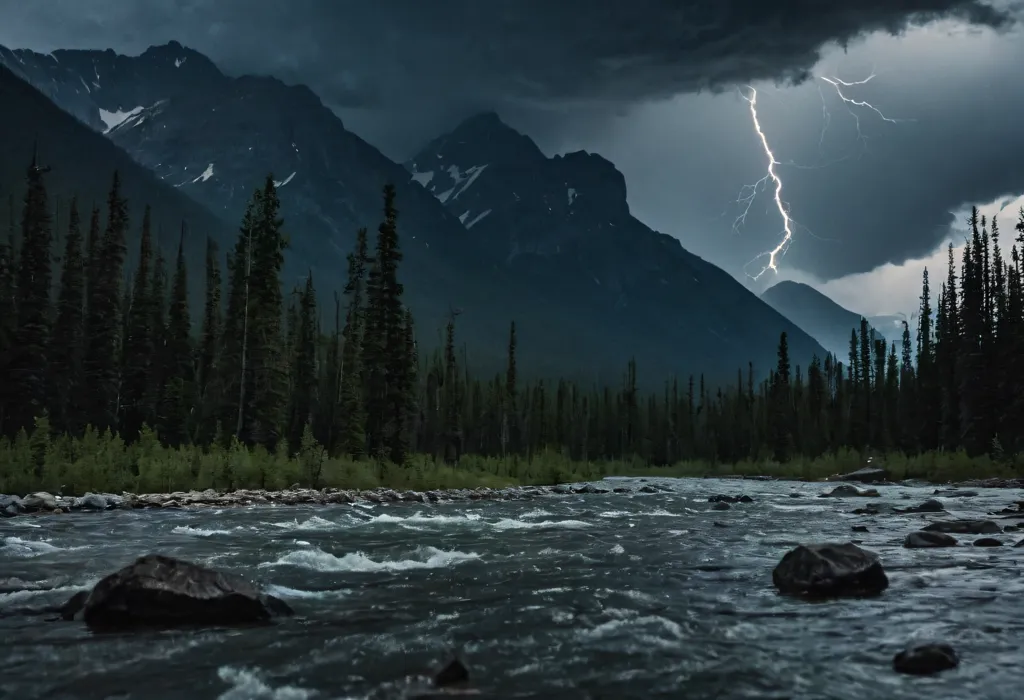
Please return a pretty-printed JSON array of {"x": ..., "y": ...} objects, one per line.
[
  {"x": 402, "y": 71},
  {"x": 358, "y": 53}
]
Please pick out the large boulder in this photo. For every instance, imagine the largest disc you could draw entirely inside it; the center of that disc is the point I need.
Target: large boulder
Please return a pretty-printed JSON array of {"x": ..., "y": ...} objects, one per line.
[
  {"x": 40, "y": 500},
  {"x": 964, "y": 527},
  {"x": 829, "y": 570},
  {"x": 159, "y": 591},
  {"x": 921, "y": 540}
]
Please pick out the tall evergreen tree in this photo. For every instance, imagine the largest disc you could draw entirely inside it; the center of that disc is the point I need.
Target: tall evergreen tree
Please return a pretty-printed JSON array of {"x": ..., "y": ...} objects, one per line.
[
  {"x": 353, "y": 413},
  {"x": 178, "y": 373},
  {"x": 29, "y": 368},
  {"x": 208, "y": 391},
  {"x": 303, "y": 367},
  {"x": 103, "y": 342},
  {"x": 139, "y": 341},
  {"x": 68, "y": 334}
]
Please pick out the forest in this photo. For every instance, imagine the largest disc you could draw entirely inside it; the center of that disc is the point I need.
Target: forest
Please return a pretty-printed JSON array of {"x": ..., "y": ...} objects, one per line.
[{"x": 109, "y": 384}]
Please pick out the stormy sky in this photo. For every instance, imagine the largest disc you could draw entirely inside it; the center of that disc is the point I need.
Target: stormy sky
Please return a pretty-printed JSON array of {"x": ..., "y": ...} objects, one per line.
[{"x": 657, "y": 87}]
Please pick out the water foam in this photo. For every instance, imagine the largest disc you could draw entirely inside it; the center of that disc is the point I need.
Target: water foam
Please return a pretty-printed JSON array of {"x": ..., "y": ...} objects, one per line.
[
  {"x": 357, "y": 562},
  {"x": 198, "y": 531},
  {"x": 246, "y": 684},
  {"x": 18, "y": 547}
]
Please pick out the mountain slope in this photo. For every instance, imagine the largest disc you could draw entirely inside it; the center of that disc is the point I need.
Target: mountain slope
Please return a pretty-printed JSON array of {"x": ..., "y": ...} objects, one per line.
[
  {"x": 82, "y": 163},
  {"x": 817, "y": 314},
  {"x": 564, "y": 222},
  {"x": 614, "y": 295}
]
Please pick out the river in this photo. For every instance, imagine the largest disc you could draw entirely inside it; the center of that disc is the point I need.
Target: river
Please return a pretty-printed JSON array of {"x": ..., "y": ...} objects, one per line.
[{"x": 609, "y": 596}]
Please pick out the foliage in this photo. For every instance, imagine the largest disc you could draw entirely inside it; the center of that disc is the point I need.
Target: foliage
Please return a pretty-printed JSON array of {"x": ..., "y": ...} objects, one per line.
[{"x": 263, "y": 396}]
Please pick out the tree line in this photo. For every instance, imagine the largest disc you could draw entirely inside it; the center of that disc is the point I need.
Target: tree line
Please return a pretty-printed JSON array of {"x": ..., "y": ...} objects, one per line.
[{"x": 86, "y": 346}]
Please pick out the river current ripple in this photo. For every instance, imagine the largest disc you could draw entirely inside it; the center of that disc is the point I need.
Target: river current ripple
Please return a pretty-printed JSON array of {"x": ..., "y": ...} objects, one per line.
[{"x": 591, "y": 596}]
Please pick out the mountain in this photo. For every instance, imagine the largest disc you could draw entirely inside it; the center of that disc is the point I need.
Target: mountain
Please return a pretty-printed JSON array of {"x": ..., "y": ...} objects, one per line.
[
  {"x": 564, "y": 223},
  {"x": 81, "y": 163},
  {"x": 817, "y": 314},
  {"x": 589, "y": 286}
]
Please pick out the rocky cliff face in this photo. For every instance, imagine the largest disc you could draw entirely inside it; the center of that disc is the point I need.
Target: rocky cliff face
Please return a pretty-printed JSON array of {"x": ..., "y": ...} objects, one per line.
[{"x": 565, "y": 222}]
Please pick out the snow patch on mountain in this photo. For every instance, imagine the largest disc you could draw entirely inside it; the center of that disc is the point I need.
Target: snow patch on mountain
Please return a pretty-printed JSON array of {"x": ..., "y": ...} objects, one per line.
[
  {"x": 281, "y": 183},
  {"x": 572, "y": 195},
  {"x": 114, "y": 119},
  {"x": 478, "y": 218},
  {"x": 207, "y": 174},
  {"x": 423, "y": 178}
]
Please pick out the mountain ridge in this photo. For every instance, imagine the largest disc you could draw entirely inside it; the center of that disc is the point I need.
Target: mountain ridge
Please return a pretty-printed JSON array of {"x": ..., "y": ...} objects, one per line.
[
  {"x": 818, "y": 314},
  {"x": 215, "y": 137}
]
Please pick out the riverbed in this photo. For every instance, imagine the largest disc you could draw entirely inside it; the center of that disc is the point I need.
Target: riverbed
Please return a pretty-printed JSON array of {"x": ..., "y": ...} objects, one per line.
[{"x": 611, "y": 596}]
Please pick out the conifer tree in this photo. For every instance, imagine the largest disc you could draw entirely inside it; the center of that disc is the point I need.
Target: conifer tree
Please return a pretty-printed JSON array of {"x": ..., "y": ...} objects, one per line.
[
  {"x": 103, "y": 342},
  {"x": 266, "y": 368},
  {"x": 139, "y": 341},
  {"x": 67, "y": 342},
  {"x": 178, "y": 374},
  {"x": 29, "y": 369},
  {"x": 353, "y": 411},
  {"x": 303, "y": 366},
  {"x": 208, "y": 395}
]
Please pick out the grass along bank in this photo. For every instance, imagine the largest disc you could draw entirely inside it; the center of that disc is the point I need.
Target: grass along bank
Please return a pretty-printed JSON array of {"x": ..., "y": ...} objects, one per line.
[{"x": 105, "y": 463}]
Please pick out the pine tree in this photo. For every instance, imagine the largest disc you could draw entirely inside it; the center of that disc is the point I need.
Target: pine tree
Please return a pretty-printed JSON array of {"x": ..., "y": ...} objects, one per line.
[
  {"x": 139, "y": 340},
  {"x": 266, "y": 398},
  {"x": 178, "y": 373},
  {"x": 8, "y": 324},
  {"x": 782, "y": 426},
  {"x": 303, "y": 366},
  {"x": 103, "y": 341},
  {"x": 353, "y": 411},
  {"x": 68, "y": 334},
  {"x": 29, "y": 368},
  {"x": 208, "y": 394}
]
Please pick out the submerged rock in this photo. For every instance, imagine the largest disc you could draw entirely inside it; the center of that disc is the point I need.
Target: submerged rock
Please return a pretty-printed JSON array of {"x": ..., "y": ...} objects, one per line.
[
  {"x": 925, "y": 659},
  {"x": 850, "y": 491},
  {"x": 929, "y": 506},
  {"x": 865, "y": 475},
  {"x": 964, "y": 527},
  {"x": 720, "y": 498},
  {"x": 988, "y": 542},
  {"x": 922, "y": 539},
  {"x": 721, "y": 505},
  {"x": 159, "y": 591},
  {"x": 452, "y": 674},
  {"x": 830, "y": 570}
]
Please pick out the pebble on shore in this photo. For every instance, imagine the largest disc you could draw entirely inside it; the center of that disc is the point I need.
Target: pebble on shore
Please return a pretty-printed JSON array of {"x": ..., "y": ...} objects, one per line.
[{"x": 43, "y": 502}]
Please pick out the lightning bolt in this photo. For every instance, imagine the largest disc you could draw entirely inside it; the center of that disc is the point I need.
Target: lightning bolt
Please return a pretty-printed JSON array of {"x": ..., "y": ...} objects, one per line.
[{"x": 748, "y": 193}]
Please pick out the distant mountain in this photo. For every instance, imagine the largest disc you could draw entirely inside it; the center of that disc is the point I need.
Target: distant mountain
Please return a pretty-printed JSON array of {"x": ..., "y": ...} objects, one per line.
[
  {"x": 82, "y": 162},
  {"x": 565, "y": 223},
  {"x": 817, "y": 314},
  {"x": 549, "y": 243}
]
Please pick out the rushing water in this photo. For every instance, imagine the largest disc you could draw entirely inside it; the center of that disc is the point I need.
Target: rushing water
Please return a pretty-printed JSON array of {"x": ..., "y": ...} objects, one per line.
[{"x": 592, "y": 596}]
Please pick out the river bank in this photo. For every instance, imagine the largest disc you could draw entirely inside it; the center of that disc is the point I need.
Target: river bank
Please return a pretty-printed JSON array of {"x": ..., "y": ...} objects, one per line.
[{"x": 43, "y": 503}]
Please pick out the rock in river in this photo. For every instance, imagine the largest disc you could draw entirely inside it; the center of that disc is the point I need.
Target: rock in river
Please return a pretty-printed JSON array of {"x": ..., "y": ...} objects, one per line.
[
  {"x": 964, "y": 527},
  {"x": 830, "y": 570},
  {"x": 865, "y": 475},
  {"x": 925, "y": 659},
  {"x": 850, "y": 491},
  {"x": 920, "y": 540},
  {"x": 159, "y": 591}
]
